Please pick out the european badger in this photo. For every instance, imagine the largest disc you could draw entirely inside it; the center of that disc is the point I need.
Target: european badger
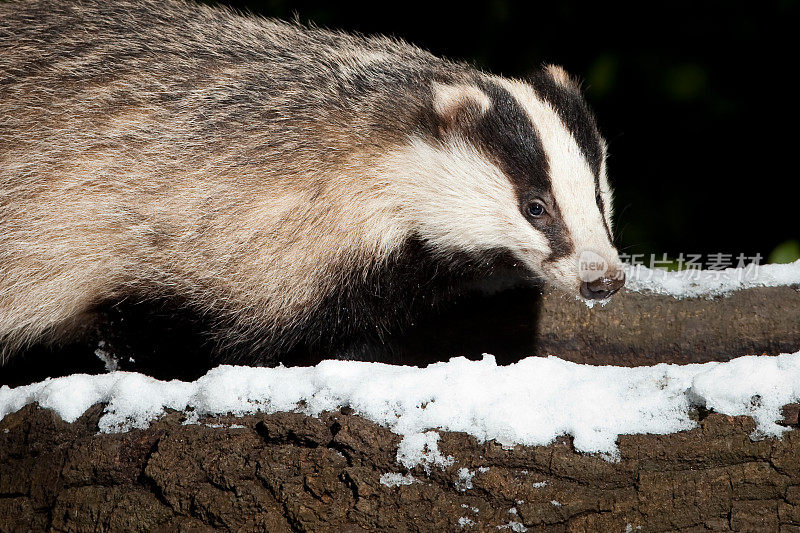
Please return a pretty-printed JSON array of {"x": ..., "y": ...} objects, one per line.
[{"x": 298, "y": 189}]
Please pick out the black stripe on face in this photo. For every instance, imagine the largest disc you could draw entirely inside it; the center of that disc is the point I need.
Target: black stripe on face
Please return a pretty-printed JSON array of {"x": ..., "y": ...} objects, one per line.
[
  {"x": 507, "y": 136},
  {"x": 571, "y": 107}
]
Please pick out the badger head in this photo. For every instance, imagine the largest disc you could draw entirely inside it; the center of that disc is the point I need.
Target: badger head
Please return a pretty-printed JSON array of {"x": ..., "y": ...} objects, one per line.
[{"x": 519, "y": 167}]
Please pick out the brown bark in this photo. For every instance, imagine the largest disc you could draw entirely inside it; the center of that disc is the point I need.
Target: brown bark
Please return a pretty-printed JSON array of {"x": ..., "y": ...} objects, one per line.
[
  {"x": 644, "y": 329},
  {"x": 633, "y": 329},
  {"x": 289, "y": 472}
]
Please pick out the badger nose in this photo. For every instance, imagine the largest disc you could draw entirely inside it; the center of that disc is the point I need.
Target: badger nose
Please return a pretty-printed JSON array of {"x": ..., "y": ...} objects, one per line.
[{"x": 602, "y": 287}]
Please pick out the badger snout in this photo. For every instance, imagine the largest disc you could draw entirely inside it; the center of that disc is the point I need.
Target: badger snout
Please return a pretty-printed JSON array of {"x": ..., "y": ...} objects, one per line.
[
  {"x": 600, "y": 278},
  {"x": 603, "y": 287}
]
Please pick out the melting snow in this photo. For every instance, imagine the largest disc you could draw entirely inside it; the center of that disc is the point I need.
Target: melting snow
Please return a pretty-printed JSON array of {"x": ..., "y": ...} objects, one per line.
[
  {"x": 707, "y": 283},
  {"x": 465, "y": 522},
  {"x": 394, "y": 479},
  {"x": 464, "y": 481},
  {"x": 531, "y": 402}
]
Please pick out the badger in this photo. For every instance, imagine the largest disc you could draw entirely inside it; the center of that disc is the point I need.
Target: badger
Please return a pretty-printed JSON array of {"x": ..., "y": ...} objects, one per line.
[{"x": 297, "y": 189}]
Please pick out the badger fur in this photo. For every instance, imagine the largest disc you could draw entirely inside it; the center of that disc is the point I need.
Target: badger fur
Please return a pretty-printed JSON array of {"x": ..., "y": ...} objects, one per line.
[{"x": 295, "y": 188}]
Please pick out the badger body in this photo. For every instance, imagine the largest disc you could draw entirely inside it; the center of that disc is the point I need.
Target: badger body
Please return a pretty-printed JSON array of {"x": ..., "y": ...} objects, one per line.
[{"x": 294, "y": 188}]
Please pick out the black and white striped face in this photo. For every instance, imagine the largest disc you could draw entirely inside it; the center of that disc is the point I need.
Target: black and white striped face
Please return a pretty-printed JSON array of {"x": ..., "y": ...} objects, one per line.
[{"x": 521, "y": 167}]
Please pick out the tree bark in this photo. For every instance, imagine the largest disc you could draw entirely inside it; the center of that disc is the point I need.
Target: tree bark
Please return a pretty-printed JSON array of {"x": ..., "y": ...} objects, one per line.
[
  {"x": 632, "y": 329},
  {"x": 290, "y": 472},
  {"x": 644, "y": 329}
]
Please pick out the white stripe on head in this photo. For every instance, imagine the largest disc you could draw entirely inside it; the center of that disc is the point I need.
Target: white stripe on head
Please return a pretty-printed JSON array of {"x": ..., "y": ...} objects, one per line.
[
  {"x": 606, "y": 193},
  {"x": 454, "y": 196},
  {"x": 573, "y": 186}
]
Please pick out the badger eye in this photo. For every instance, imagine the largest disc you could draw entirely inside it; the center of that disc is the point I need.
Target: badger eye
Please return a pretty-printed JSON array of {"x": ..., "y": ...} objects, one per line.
[{"x": 535, "y": 209}]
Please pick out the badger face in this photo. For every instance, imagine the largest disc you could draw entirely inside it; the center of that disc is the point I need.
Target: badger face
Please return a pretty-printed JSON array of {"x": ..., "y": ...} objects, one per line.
[{"x": 520, "y": 167}]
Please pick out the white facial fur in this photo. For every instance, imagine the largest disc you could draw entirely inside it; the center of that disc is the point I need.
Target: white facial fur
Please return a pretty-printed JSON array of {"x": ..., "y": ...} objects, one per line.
[{"x": 456, "y": 199}]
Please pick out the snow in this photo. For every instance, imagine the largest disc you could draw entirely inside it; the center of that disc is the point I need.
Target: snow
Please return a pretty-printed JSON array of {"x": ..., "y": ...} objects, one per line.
[
  {"x": 422, "y": 448},
  {"x": 111, "y": 364},
  {"x": 531, "y": 402},
  {"x": 464, "y": 481},
  {"x": 465, "y": 521},
  {"x": 708, "y": 283},
  {"x": 395, "y": 479}
]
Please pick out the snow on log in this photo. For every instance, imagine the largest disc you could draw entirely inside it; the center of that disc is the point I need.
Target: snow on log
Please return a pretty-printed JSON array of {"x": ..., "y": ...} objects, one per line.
[
  {"x": 540, "y": 445},
  {"x": 530, "y": 403}
]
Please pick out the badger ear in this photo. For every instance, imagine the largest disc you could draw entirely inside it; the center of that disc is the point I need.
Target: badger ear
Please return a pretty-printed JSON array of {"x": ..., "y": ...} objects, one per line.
[
  {"x": 457, "y": 104},
  {"x": 560, "y": 76}
]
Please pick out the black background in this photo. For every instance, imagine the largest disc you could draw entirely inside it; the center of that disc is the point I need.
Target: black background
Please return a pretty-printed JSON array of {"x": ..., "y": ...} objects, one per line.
[{"x": 696, "y": 99}]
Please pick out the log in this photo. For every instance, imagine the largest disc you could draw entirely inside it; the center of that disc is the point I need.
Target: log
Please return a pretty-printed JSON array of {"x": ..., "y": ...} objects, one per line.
[
  {"x": 291, "y": 472},
  {"x": 632, "y": 329},
  {"x": 644, "y": 329}
]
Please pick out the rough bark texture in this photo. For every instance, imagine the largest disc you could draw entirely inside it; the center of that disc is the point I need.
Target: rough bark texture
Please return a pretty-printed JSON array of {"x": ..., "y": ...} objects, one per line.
[
  {"x": 289, "y": 472},
  {"x": 632, "y": 329},
  {"x": 645, "y": 329}
]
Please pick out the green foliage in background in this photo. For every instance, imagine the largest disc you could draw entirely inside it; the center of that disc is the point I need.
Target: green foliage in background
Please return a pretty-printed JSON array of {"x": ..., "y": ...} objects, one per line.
[{"x": 786, "y": 252}]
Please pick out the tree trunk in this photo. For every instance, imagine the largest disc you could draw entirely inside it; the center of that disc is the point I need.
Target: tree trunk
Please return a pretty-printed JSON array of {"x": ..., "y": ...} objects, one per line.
[
  {"x": 632, "y": 329},
  {"x": 290, "y": 472}
]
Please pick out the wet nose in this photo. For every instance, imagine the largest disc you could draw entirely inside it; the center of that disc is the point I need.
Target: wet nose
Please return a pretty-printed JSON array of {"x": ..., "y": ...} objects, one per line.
[{"x": 602, "y": 287}]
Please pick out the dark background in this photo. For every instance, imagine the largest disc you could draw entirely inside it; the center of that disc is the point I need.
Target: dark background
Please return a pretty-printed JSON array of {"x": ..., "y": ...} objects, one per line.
[{"x": 696, "y": 100}]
